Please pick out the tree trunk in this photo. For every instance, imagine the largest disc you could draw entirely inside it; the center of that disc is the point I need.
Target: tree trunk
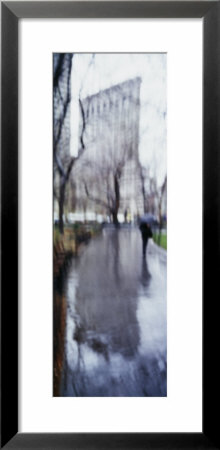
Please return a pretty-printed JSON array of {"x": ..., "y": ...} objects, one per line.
[
  {"x": 160, "y": 221},
  {"x": 117, "y": 201},
  {"x": 84, "y": 211},
  {"x": 144, "y": 193},
  {"x": 61, "y": 205},
  {"x": 115, "y": 218}
]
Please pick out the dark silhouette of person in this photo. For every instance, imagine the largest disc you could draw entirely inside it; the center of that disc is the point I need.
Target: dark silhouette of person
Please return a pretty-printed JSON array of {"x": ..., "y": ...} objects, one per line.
[{"x": 146, "y": 233}]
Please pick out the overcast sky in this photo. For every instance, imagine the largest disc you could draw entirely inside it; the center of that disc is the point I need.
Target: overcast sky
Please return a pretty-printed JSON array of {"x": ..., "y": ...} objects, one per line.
[{"x": 109, "y": 69}]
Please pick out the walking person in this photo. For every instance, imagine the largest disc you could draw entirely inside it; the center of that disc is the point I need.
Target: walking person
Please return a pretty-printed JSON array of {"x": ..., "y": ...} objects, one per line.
[{"x": 146, "y": 233}]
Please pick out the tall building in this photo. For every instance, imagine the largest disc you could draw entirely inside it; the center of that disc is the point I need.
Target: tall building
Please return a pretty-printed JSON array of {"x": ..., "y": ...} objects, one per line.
[{"x": 108, "y": 171}]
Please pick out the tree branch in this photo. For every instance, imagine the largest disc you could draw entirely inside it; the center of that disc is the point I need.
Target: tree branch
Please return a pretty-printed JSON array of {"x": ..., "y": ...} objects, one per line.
[
  {"x": 83, "y": 127},
  {"x": 95, "y": 199}
]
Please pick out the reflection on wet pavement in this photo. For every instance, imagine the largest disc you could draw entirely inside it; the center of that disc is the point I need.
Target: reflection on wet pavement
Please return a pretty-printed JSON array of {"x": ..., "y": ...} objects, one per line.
[{"x": 115, "y": 341}]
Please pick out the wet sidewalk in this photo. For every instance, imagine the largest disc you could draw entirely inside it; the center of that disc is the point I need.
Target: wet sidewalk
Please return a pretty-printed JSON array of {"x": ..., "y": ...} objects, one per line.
[{"x": 115, "y": 343}]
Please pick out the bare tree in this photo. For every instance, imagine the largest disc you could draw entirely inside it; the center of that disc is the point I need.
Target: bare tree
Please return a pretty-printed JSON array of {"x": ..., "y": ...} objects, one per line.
[
  {"x": 149, "y": 190},
  {"x": 107, "y": 183},
  {"x": 115, "y": 134},
  {"x": 61, "y": 128},
  {"x": 63, "y": 161},
  {"x": 103, "y": 185},
  {"x": 161, "y": 193},
  {"x": 143, "y": 173},
  {"x": 153, "y": 194}
]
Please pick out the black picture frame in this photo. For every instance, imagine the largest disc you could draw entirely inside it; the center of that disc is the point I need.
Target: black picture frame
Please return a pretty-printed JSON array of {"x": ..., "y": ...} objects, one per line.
[{"x": 11, "y": 12}]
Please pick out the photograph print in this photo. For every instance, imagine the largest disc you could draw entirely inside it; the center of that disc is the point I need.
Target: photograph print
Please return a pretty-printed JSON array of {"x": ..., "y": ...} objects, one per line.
[{"x": 109, "y": 225}]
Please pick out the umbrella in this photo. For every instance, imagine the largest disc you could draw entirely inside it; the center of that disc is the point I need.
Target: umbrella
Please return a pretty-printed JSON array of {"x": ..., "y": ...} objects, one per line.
[{"x": 148, "y": 218}]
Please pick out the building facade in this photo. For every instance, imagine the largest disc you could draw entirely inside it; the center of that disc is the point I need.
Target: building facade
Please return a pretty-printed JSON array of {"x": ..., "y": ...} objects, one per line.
[{"x": 108, "y": 171}]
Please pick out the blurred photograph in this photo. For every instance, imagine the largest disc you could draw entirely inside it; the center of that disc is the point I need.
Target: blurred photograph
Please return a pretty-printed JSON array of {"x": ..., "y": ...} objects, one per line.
[{"x": 109, "y": 225}]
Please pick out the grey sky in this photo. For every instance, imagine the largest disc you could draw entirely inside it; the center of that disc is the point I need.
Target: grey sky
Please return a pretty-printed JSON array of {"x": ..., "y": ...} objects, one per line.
[{"x": 110, "y": 69}]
